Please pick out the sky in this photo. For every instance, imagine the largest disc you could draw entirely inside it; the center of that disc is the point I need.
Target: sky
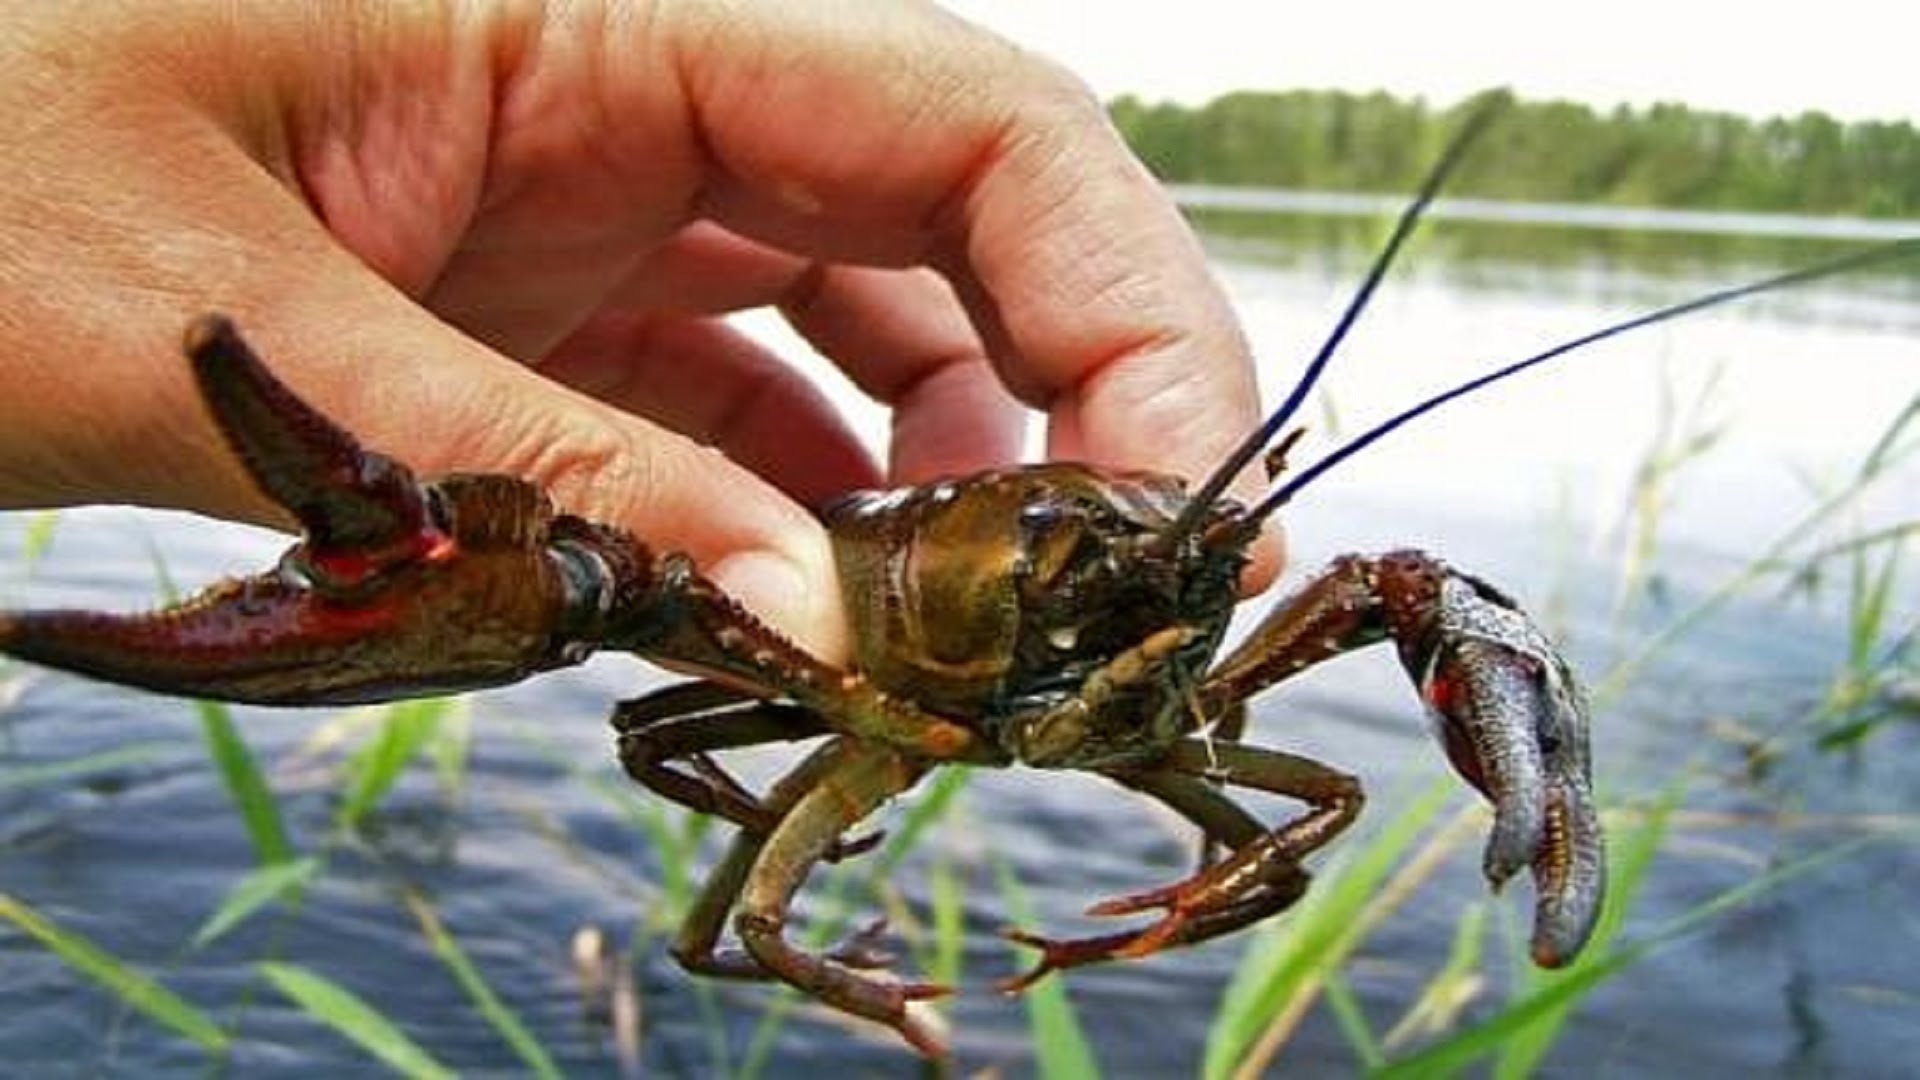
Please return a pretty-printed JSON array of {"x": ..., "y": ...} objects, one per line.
[{"x": 1856, "y": 59}]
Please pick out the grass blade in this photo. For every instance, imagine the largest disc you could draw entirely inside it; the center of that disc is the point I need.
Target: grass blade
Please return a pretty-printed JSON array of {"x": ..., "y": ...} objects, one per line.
[
  {"x": 405, "y": 729},
  {"x": 37, "y": 538},
  {"x": 239, "y": 770},
  {"x": 1352, "y": 1019},
  {"x": 1631, "y": 855},
  {"x": 451, "y": 748},
  {"x": 925, "y": 811},
  {"x": 68, "y": 770},
  {"x": 254, "y": 891},
  {"x": 484, "y": 999},
  {"x": 343, "y": 1011},
  {"x": 1888, "y": 450},
  {"x": 1561, "y": 992},
  {"x": 1285, "y": 968},
  {"x": 1060, "y": 1044},
  {"x": 1452, "y": 988},
  {"x": 949, "y": 923},
  {"x": 138, "y": 991},
  {"x": 246, "y": 784}
]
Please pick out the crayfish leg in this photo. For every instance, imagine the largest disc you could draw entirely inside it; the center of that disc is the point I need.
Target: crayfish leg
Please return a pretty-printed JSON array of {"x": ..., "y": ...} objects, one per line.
[
  {"x": 1260, "y": 876},
  {"x": 831, "y": 792},
  {"x": 690, "y": 721}
]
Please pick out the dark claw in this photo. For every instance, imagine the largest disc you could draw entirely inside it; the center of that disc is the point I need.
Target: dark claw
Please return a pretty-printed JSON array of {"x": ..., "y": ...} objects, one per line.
[
  {"x": 1513, "y": 720},
  {"x": 1571, "y": 875},
  {"x": 361, "y": 511},
  {"x": 1497, "y": 721},
  {"x": 1052, "y": 958},
  {"x": 399, "y": 588}
]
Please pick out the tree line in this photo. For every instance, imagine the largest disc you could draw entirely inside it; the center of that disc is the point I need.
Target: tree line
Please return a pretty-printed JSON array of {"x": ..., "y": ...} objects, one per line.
[{"x": 1662, "y": 155}]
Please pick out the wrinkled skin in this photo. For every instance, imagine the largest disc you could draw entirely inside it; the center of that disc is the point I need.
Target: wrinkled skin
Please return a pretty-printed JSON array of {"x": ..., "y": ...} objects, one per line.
[{"x": 1055, "y": 616}]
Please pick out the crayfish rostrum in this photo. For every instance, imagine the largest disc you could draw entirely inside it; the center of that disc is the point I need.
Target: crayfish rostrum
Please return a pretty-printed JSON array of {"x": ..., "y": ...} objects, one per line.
[{"x": 1055, "y": 616}]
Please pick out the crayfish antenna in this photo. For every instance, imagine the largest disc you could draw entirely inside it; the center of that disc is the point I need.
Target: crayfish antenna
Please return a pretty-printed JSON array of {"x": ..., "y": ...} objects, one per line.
[
  {"x": 1188, "y": 522},
  {"x": 1891, "y": 251}
]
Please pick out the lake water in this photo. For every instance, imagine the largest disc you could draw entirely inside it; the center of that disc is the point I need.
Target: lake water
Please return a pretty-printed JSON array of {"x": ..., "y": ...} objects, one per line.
[{"x": 1530, "y": 484}]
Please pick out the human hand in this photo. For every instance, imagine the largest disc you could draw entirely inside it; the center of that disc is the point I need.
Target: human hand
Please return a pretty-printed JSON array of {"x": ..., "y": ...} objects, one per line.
[{"x": 493, "y": 237}]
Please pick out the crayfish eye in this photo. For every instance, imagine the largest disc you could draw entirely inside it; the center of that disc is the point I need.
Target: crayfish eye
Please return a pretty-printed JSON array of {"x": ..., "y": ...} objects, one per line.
[
  {"x": 1054, "y": 540},
  {"x": 1039, "y": 517}
]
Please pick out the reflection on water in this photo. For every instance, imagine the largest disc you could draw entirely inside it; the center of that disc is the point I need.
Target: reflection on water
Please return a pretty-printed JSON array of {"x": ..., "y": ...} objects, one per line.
[
  {"x": 1530, "y": 484},
  {"x": 1273, "y": 203},
  {"x": 1544, "y": 252}
]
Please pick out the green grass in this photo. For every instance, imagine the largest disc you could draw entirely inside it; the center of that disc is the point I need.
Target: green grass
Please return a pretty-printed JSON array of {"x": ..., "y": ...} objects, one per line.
[
  {"x": 1061, "y": 1050},
  {"x": 1291, "y": 959},
  {"x": 1799, "y": 555},
  {"x": 351, "y": 1016},
  {"x": 123, "y": 980},
  {"x": 486, "y": 1000}
]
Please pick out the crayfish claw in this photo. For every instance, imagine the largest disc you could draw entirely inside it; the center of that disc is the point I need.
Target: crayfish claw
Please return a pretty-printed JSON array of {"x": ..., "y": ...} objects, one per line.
[
  {"x": 1506, "y": 755},
  {"x": 1570, "y": 875},
  {"x": 1513, "y": 719},
  {"x": 862, "y": 950},
  {"x": 399, "y": 588},
  {"x": 358, "y": 508}
]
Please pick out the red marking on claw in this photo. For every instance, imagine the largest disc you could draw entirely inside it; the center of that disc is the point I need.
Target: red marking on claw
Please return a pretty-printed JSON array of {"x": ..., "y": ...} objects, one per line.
[
  {"x": 345, "y": 567},
  {"x": 1443, "y": 694}
]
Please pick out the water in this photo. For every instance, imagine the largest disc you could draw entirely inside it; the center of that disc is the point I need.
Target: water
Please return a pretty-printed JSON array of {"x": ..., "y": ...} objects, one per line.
[{"x": 1527, "y": 485}]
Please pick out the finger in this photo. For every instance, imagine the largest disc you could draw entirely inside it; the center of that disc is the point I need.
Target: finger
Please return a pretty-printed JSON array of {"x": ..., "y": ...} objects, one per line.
[
  {"x": 900, "y": 335},
  {"x": 952, "y": 147},
  {"x": 704, "y": 269},
  {"x": 715, "y": 385},
  {"x": 903, "y": 337},
  {"x": 125, "y": 425}
]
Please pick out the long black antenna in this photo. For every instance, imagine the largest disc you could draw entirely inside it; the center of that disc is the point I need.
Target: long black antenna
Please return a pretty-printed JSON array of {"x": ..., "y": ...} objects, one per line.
[
  {"x": 1216, "y": 485},
  {"x": 1888, "y": 252}
]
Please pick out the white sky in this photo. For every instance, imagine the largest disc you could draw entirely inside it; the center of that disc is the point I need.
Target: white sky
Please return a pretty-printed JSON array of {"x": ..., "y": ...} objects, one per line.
[{"x": 1857, "y": 59}]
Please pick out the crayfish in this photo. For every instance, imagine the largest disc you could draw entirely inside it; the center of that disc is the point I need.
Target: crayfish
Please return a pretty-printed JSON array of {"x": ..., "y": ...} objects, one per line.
[{"x": 1055, "y": 616}]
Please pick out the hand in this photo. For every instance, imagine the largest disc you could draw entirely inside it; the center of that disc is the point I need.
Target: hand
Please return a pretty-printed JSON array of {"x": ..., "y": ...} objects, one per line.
[{"x": 494, "y": 237}]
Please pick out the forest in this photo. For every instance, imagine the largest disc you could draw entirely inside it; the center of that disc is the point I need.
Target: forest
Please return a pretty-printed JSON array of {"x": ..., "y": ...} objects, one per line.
[{"x": 1664, "y": 155}]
